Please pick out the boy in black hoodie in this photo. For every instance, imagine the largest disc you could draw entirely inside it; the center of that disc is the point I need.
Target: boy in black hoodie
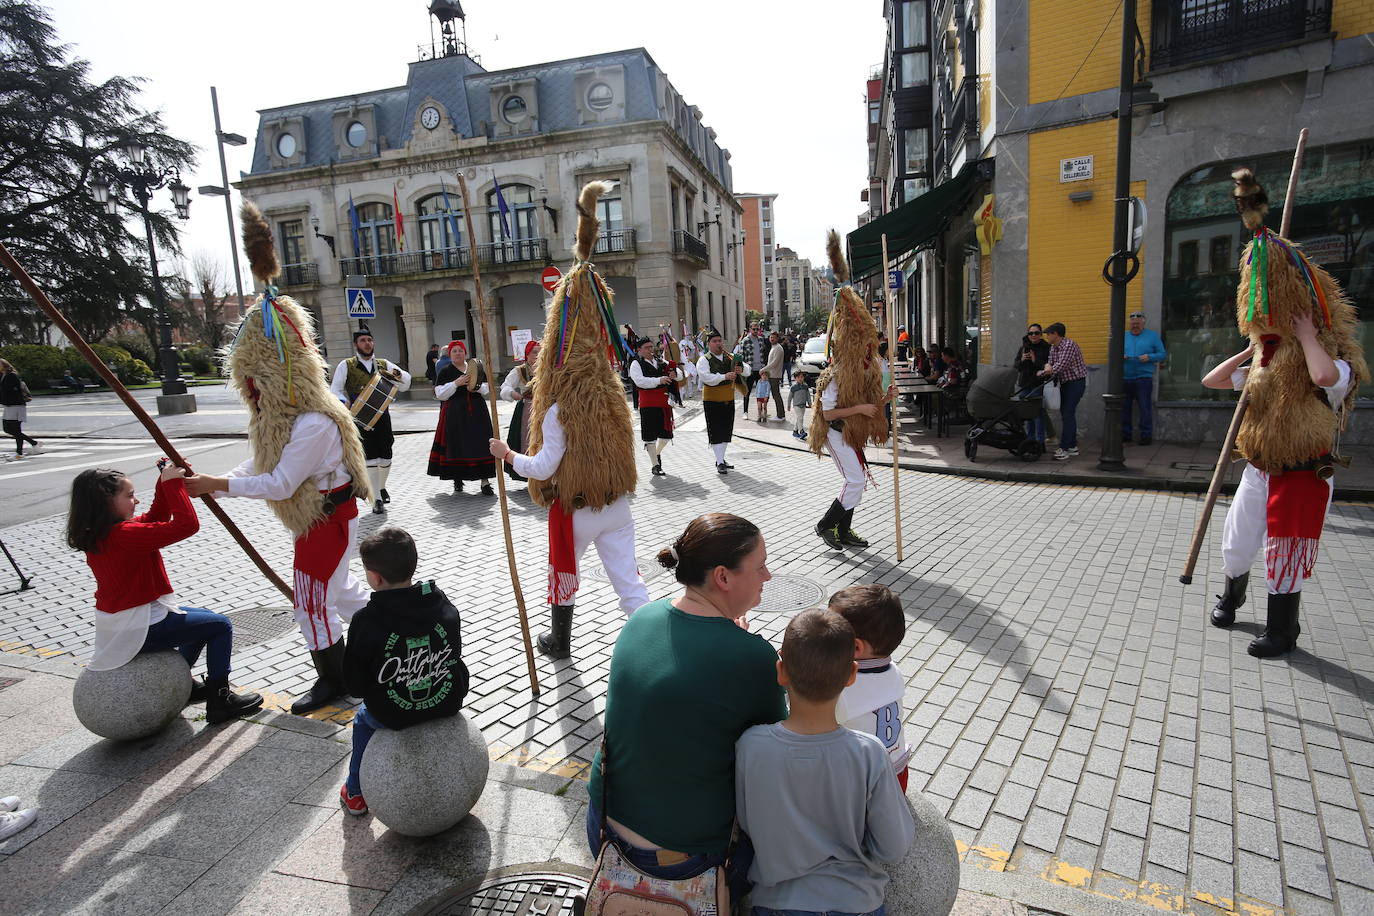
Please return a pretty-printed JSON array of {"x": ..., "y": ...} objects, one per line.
[{"x": 404, "y": 652}]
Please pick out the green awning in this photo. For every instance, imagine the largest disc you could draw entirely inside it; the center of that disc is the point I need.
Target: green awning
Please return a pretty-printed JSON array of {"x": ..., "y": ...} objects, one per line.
[{"x": 910, "y": 224}]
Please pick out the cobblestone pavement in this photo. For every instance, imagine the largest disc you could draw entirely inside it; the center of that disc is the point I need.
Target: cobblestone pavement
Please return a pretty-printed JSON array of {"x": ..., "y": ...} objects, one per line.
[{"x": 1071, "y": 711}]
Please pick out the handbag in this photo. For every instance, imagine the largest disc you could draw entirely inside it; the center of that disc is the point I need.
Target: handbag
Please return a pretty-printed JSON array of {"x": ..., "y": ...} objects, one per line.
[
  {"x": 24, "y": 390},
  {"x": 1051, "y": 395},
  {"x": 618, "y": 888}
]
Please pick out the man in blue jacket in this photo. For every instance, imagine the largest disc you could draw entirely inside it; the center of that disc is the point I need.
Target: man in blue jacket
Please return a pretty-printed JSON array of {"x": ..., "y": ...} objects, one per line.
[{"x": 1143, "y": 350}]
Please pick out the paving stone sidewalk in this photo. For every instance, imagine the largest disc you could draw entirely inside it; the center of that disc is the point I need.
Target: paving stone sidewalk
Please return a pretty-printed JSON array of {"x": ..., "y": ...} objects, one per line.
[{"x": 1094, "y": 744}]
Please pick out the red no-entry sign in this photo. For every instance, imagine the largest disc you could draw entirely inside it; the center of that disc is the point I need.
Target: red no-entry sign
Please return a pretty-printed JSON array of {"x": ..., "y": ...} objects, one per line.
[{"x": 550, "y": 278}]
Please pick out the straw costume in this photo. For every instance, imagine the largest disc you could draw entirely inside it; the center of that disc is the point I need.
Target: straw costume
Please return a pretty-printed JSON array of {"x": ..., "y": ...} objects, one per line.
[
  {"x": 460, "y": 451},
  {"x": 351, "y": 377},
  {"x": 519, "y": 388},
  {"x": 581, "y": 461},
  {"x": 1289, "y": 434},
  {"x": 854, "y": 377},
  {"x": 307, "y": 459}
]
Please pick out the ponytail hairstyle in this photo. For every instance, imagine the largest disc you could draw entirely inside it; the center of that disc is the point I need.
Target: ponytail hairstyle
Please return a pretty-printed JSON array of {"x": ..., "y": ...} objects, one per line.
[
  {"x": 92, "y": 515},
  {"x": 711, "y": 540}
]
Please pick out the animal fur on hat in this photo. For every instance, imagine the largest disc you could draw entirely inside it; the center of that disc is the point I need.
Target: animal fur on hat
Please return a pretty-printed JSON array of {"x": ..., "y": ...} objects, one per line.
[
  {"x": 1288, "y": 421},
  {"x": 575, "y": 373},
  {"x": 853, "y": 345},
  {"x": 281, "y": 378}
]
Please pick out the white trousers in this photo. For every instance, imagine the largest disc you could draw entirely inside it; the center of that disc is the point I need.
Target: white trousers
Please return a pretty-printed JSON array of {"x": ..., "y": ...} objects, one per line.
[
  {"x": 1246, "y": 528},
  {"x": 612, "y": 530},
  {"x": 851, "y": 469},
  {"x": 344, "y": 596}
]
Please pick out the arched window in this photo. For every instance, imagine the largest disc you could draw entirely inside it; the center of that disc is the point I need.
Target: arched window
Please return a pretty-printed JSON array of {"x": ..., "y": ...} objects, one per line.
[
  {"x": 441, "y": 233},
  {"x": 376, "y": 239},
  {"x": 514, "y": 232}
]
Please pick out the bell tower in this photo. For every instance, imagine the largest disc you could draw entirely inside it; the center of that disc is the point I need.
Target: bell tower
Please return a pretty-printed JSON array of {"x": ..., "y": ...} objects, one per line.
[{"x": 447, "y": 13}]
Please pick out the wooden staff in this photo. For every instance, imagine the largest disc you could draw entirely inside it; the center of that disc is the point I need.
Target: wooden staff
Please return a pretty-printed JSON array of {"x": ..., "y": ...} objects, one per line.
[
  {"x": 492, "y": 386},
  {"x": 44, "y": 303},
  {"x": 892, "y": 420},
  {"x": 1224, "y": 460}
]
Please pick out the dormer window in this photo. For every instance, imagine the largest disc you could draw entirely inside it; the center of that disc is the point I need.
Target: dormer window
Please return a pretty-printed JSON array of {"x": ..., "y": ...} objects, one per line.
[
  {"x": 514, "y": 109},
  {"x": 286, "y": 145},
  {"x": 600, "y": 97},
  {"x": 356, "y": 134}
]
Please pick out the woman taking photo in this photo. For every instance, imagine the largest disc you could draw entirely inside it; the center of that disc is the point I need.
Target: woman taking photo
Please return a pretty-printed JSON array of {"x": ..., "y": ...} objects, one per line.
[
  {"x": 686, "y": 681},
  {"x": 13, "y": 397}
]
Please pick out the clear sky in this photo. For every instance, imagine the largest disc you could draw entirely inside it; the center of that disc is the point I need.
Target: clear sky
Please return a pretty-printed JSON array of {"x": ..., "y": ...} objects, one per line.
[{"x": 782, "y": 83}]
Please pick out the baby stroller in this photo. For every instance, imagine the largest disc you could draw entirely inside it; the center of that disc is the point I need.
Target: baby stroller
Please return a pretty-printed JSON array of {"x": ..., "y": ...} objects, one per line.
[{"x": 999, "y": 415}]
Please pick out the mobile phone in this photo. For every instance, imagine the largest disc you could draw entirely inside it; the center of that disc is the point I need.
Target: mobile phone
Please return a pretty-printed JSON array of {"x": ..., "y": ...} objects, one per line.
[{"x": 162, "y": 463}]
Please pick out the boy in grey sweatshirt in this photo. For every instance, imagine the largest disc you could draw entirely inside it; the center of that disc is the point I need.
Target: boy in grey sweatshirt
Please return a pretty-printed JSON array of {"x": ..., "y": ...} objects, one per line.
[{"x": 820, "y": 802}]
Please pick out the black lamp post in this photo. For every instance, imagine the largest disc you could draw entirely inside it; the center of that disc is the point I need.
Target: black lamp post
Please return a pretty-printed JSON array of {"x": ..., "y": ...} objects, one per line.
[{"x": 142, "y": 178}]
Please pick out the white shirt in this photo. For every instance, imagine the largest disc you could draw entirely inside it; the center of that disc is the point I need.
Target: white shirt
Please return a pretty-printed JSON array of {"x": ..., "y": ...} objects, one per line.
[
  {"x": 542, "y": 465},
  {"x": 120, "y": 636},
  {"x": 338, "y": 384},
  {"x": 704, "y": 370},
  {"x": 449, "y": 389},
  {"x": 873, "y": 705},
  {"x": 315, "y": 452},
  {"x": 643, "y": 381},
  {"x": 1335, "y": 394},
  {"x": 513, "y": 388},
  {"x": 830, "y": 397}
]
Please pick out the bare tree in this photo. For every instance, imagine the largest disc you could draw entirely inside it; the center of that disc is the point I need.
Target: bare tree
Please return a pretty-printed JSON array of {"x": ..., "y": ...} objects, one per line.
[{"x": 209, "y": 324}]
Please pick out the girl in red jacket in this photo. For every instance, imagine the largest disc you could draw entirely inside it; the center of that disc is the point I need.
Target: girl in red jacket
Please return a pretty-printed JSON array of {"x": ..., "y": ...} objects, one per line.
[{"x": 135, "y": 608}]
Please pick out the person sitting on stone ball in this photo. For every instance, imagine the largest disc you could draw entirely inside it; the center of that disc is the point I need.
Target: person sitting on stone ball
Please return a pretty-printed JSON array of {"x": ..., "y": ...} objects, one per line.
[
  {"x": 403, "y": 655},
  {"x": 136, "y": 610}
]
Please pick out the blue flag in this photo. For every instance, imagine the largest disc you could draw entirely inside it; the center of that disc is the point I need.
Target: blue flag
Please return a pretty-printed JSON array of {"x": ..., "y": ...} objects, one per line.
[
  {"x": 504, "y": 210},
  {"x": 448, "y": 211},
  {"x": 355, "y": 225}
]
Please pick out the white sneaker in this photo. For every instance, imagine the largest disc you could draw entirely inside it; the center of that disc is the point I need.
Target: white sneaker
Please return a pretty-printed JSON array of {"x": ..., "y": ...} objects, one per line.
[
  {"x": 1073, "y": 451},
  {"x": 1061, "y": 455},
  {"x": 15, "y": 457},
  {"x": 11, "y": 822},
  {"x": 9, "y": 803},
  {"x": 36, "y": 448}
]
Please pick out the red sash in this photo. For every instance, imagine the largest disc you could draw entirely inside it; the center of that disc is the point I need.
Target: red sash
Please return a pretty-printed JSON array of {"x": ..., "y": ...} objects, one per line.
[
  {"x": 563, "y": 579},
  {"x": 653, "y": 397},
  {"x": 1293, "y": 519},
  {"x": 317, "y": 554}
]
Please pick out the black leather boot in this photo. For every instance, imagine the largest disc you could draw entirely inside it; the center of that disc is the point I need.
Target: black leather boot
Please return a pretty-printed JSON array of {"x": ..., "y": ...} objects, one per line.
[
  {"x": 1281, "y": 628},
  {"x": 223, "y": 704},
  {"x": 1232, "y": 597},
  {"x": 199, "y": 692},
  {"x": 829, "y": 526},
  {"x": 329, "y": 685},
  {"x": 847, "y": 536},
  {"x": 557, "y": 643}
]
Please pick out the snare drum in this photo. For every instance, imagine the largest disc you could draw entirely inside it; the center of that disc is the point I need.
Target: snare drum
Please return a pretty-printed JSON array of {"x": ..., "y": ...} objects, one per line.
[{"x": 374, "y": 400}]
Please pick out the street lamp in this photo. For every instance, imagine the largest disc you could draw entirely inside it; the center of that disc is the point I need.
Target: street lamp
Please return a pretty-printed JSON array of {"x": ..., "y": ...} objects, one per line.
[
  {"x": 735, "y": 244},
  {"x": 327, "y": 239},
  {"x": 553, "y": 214},
  {"x": 142, "y": 178},
  {"x": 701, "y": 227},
  {"x": 221, "y": 139}
]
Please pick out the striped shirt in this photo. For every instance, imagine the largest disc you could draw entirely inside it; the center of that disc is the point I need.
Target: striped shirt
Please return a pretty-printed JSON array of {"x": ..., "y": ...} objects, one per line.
[{"x": 1066, "y": 359}]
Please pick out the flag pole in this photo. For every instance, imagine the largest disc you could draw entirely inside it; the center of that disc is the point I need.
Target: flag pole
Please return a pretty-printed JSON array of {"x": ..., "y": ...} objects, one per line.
[
  {"x": 63, "y": 325},
  {"x": 496, "y": 431},
  {"x": 892, "y": 420}
]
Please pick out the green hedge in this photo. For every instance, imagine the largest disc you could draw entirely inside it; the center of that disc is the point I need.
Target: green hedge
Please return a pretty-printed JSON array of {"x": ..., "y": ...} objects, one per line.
[
  {"x": 36, "y": 363},
  {"x": 39, "y": 362},
  {"x": 201, "y": 360}
]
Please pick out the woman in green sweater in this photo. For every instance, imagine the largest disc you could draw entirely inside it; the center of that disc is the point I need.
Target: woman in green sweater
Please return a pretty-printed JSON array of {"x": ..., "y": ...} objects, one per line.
[{"x": 686, "y": 681}]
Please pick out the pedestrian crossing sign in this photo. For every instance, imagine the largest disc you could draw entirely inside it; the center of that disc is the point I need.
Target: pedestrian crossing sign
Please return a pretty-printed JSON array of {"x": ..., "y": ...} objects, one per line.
[{"x": 360, "y": 303}]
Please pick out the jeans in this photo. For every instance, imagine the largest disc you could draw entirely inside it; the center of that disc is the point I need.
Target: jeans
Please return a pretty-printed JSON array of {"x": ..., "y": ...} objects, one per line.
[
  {"x": 1139, "y": 393},
  {"x": 1070, "y": 393},
  {"x": 363, "y": 727},
  {"x": 768, "y": 911},
  {"x": 646, "y": 860},
  {"x": 191, "y": 632}
]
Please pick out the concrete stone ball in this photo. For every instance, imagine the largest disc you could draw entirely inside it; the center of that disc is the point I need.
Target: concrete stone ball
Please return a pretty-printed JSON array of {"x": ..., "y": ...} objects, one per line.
[
  {"x": 424, "y": 779},
  {"x": 133, "y": 701},
  {"x": 926, "y": 882}
]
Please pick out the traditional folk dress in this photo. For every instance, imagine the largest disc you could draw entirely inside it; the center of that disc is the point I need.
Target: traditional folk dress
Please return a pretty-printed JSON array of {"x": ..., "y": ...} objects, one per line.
[
  {"x": 460, "y": 449},
  {"x": 516, "y": 387},
  {"x": 718, "y": 402},
  {"x": 655, "y": 413},
  {"x": 849, "y": 461},
  {"x": 351, "y": 376},
  {"x": 611, "y": 528}
]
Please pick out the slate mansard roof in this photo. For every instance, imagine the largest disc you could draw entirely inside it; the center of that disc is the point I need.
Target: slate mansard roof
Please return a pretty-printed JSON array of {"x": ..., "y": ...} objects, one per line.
[{"x": 464, "y": 89}]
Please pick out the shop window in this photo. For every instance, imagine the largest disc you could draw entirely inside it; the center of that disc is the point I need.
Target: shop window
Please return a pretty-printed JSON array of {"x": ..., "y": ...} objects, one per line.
[{"x": 1331, "y": 221}]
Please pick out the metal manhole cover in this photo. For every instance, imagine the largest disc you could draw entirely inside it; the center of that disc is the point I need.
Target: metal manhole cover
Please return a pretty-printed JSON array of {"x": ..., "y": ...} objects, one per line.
[
  {"x": 9, "y": 681},
  {"x": 536, "y": 893},
  {"x": 255, "y": 626},
  {"x": 789, "y": 594},
  {"x": 648, "y": 569}
]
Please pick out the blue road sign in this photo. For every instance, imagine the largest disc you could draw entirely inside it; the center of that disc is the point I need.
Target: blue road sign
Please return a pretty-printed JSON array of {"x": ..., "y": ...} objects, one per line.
[
  {"x": 894, "y": 279},
  {"x": 361, "y": 304}
]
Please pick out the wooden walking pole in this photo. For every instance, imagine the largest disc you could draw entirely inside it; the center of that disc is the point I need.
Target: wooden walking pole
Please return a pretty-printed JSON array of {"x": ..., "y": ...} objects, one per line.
[
  {"x": 63, "y": 325},
  {"x": 1224, "y": 460},
  {"x": 492, "y": 386},
  {"x": 892, "y": 420}
]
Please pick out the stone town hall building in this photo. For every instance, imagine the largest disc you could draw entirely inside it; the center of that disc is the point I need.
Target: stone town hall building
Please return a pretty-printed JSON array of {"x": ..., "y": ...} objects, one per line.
[{"x": 669, "y": 232}]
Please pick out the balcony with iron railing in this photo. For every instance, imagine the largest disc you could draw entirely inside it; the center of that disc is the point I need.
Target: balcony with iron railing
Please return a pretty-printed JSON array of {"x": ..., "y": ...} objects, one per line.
[
  {"x": 515, "y": 251},
  {"x": 306, "y": 273},
  {"x": 689, "y": 247},
  {"x": 1191, "y": 31},
  {"x": 407, "y": 262},
  {"x": 960, "y": 127},
  {"x": 615, "y": 241}
]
